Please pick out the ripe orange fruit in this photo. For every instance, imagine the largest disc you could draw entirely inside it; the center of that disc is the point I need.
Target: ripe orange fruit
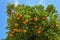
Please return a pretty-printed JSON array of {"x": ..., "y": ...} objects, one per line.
[
  {"x": 36, "y": 26},
  {"x": 19, "y": 15},
  {"x": 26, "y": 21},
  {"x": 11, "y": 35},
  {"x": 46, "y": 18},
  {"x": 16, "y": 24},
  {"x": 16, "y": 30},
  {"x": 12, "y": 32},
  {"x": 35, "y": 19},
  {"x": 39, "y": 31},
  {"x": 18, "y": 18},
  {"x": 25, "y": 31},
  {"x": 19, "y": 30},
  {"x": 40, "y": 26}
]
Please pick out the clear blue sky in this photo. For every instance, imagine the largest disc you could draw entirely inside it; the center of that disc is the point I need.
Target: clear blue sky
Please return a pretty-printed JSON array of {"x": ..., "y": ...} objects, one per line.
[{"x": 3, "y": 15}]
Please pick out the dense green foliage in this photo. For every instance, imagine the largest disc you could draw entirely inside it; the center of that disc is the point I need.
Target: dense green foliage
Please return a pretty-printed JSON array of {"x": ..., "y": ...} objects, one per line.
[{"x": 32, "y": 22}]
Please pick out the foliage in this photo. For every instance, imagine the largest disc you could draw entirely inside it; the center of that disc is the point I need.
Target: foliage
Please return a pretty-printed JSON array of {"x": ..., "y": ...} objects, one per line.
[{"x": 32, "y": 22}]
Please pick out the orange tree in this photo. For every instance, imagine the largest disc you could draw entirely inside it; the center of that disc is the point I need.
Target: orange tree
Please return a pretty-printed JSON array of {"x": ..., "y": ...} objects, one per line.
[{"x": 32, "y": 22}]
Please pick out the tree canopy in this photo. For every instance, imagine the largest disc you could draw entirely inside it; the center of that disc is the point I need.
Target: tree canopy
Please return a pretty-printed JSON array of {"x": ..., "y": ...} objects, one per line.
[{"x": 32, "y": 22}]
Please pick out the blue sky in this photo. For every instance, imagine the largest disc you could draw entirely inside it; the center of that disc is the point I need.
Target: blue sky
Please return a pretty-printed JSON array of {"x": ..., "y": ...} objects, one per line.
[{"x": 3, "y": 15}]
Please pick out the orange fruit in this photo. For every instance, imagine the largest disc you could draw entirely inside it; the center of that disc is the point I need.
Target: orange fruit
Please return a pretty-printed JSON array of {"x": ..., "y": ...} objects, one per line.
[
  {"x": 19, "y": 15},
  {"x": 16, "y": 24},
  {"x": 11, "y": 35},
  {"x": 12, "y": 32},
  {"x": 46, "y": 18},
  {"x": 25, "y": 31},
  {"x": 15, "y": 29},
  {"x": 26, "y": 20},
  {"x": 36, "y": 26},
  {"x": 39, "y": 31},
  {"x": 40, "y": 26},
  {"x": 35, "y": 19},
  {"x": 19, "y": 30},
  {"x": 18, "y": 18}
]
